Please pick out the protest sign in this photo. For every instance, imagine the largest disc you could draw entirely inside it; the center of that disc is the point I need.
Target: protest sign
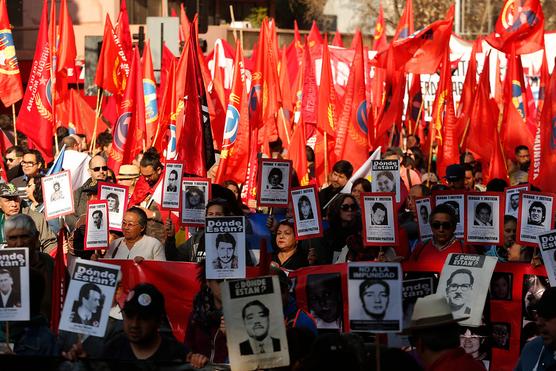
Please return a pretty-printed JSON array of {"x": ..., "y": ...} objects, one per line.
[
  {"x": 484, "y": 223},
  {"x": 255, "y": 325},
  {"x": 57, "y": 195},
  {"x": 536, "y": 216},
  {"x": 375, "y": 297},
  {"x": 96, "y": 227},
  {"x": 171, "y": 186},
  {"x": 547, "y": 245},
  {"x": 306, "y": 210},
  {"x": 117, "y": 198},
  {"x": 14, "y": 284},
  {"x": 423, "y": 209},
  {"x": 456, "y": 200},
  {"x": 385, "y": 175},
  {"x": 89, "y": 298},
  {"x": 464, "y": 281},
  {"x": 225, "y": 247},
  {"x": 274, "y": 182},
  {"x": 512, "y": 199},
  {"x": 195, "y": 195},
  {"x": 380, "y": 219}
]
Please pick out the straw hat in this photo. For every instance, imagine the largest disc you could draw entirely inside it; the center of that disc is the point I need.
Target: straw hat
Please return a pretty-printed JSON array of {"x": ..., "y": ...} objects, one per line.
[
  {"x": 128, "y": 172},
  {"x": 432, "y": 311}
]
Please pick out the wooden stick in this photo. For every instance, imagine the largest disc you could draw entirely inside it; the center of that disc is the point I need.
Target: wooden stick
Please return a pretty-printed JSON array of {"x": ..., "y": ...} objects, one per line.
[
  {"x": 8, "y": 336},
  {"x": 418, "y": 117},
  {"x": 233, "y": 18},
  {"x": 326, "y": 156},
  {"x": 377, "y": 350},
  {"x": 284, "y": 123},
  {"x": 15, "y": 128},
  {"x": 100, "y": 95}
]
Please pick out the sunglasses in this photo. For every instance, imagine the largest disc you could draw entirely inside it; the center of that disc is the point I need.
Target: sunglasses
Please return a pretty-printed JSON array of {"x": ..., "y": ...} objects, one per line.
[
  {"x": 10, "y": 159},
  {"x": 348, "y": 207},
  {"x": 444, "y": 225},
  {"x": 99, "y": 168}
]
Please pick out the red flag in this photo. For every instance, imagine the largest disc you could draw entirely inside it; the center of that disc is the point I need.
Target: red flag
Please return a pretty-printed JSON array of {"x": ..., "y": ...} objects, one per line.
[
  {"x": 66, "y": 44},
  {"x": 415, "y": 109},
  {"x": 36, "y": 117},
  {"x": 129, "y": 130},
  {"x": 309, "y": 94},
  {"x": 520, "y": 25},
  {"x": 113, "y": 66},
  {"x": 295, "y": 53},
  {"x": 337, "y": 41},
  {"x": 544, "y": 80},
  {"x": 166, "y": 59},
  {"x": 379, "y": 38},
  {"x": 149, "y": 91},
  {"x": 59, "y": 282},
  {"x": 235, "y": 144},
  {"x": 298, "y": 154},
  {"x": 81, "y": 117},
  {"x": 165, "y": 136},
  {"x": 405, "y": 25},
  {"x": 326, "y": 120},
  {"x": 542, "y": 171},
  {"x": 351, "y": 135},
  {"x": 444, "y": 119},
  {"x": 11, "y": 89},
  {"x": 122, "y": 31},
  {"x": 314, "y": 38},
  {"x": 286, "y": 101},
  {"x": 217, "y": 94},
  {"x": 470, "y": 83},
  {"x": 497, "y": 165},
  {"x": 185, "y": 25}
]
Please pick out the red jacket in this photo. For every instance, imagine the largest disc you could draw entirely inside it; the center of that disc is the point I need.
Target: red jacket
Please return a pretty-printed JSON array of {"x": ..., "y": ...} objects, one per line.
[{"x": 456, "y": 360}]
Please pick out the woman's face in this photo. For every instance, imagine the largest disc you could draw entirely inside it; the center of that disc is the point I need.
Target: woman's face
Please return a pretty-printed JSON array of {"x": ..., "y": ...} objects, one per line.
[
  {"x": 234, "y": 189},
  {"x": 130, "y": 226},
  {"x": 305, "y": 209},
  {"x": 30, "y": 189},
  {"x": 111, "y": 203},
  {"x": 356, "y": 191},
  {"x": 509, "y": 233},
  {"x": 348, "y": 210},
  {"x": 215, "y": 210},
  {"x": 385, "y": 184},
  {"x": 285, "y": 238}
]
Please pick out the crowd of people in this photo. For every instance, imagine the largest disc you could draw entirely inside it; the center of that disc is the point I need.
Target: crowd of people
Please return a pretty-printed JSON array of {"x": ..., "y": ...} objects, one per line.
[{"x": 140, "y": 331}]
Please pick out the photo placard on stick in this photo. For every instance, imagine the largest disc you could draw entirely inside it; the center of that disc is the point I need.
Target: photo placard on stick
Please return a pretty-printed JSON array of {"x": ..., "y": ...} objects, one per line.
[
  {"x": 195, "y": 195},
  {"x": 97, "y": 225},
  {"x": 464, "y": 281},
  {"x": 512, "y": 199},
  {"x": 375, "y": 297},
  {"x": 274, "y": 182},
  {"x": 536, "y": 216},
  {"x": 385, "y": 175},
  {"x": 171, "y": 186},
  {"x": 306, "y": 210},
  {"x": 89, "y": 298},
  {"x": 456, "y": 200},
  {"x": 14, "y": 284},
  {"x": 547, "y": 244},
  {"x": 225, "y": 247},
  {"x": 484, "y": 223},
  {"x": 57, "y": 195},
  {"x": 380, "y": 219},
  {"x": 117, "y": 199},
  {"x": 423, "y": 208},
  {"x": 255, "y": 325},
  {"x": 412, "y": 290}
]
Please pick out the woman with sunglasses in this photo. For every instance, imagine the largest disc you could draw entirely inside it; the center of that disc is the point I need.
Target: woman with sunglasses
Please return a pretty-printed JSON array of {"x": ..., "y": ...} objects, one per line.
[
  {"x": 443, "y": 225},
  {"x": 287, "y": 252}
]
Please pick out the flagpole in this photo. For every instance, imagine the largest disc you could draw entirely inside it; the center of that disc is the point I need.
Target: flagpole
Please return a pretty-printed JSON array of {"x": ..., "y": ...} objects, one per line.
[
  {"x": 325, "y": 156},
  {"x": 464, "y": 133},
  {"x": 418, "y": 118},
  {"x": 233, "y": 21},
  {"x": 284, "y": 123},
  {"x": 100, "y": 95},
  {"x": 14, "y": 119},
  {"x": 430, "y": 153}
]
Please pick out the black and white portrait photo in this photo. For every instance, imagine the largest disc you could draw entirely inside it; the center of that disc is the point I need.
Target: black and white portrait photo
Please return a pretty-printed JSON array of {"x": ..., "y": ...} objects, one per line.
[
  {"x": 324, "y": 299},
  {"x": 308, "y": 223},
  {"x": 14, "y": 284},
  {"x": 194, "y": 198},
  {"x": 116, "y": 197},
  {"x": 225, "y": 247},
  {"x": 113, "y": 202},
  {"x": 171, "y": 186},
  {"x": 274, "y": 182},
  {"x": 89, "y": 298},
  {"x": 456, "y": 201},
  {"x": 484, "y": 219},
  {"x": 483, "y": 214},
  {"x": 512, "y": 199},
  {"x": 375, "y": 297},
  {"x": 465, "y": 281},
  {"x": 226, "y": 252},
  {"x": 97, "y": 219},
  {"x": 380, "y": 219},
  {"x": 423, "y": 209},
  {"x": 379, "y": 214},
  {"x": 536, "y": 216},
  {"x": 195, "y": 195},
  {"x": 385, "y": 177},
  {"x": 57, "y": 195},
  {"x": 255, "y": 326},
  {"x": 97, "y": 225}
]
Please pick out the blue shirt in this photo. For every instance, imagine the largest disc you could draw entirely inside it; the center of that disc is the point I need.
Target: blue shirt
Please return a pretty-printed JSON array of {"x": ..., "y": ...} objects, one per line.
[{"x": 534, "y": 353}]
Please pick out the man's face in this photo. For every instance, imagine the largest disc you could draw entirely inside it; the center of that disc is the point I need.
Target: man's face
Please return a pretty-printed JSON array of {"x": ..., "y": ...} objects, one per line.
[
  {"x": 378, "y": 217},
  {"x": 324, "y": 302},
  {"x": 19, "y": 237},
  {"x": 385, "y": 184},
  {"x": 375, "y": 300},
  {"x": 140, "y": 329},
  {"x": 30, "y": 165},
  {"x": 256, "y": 322},
  {"x": 97, "y": 219},
  {"x": 523, "y": 157},
  {"x": 442, "y": 228},
  {"x": 98, "y": 168},
  {"x": 12, "y": 160},
  {"x": 56, "y": 187},
  {"x": 457, "y": 184},
  {"x": 10, "y": 205},
  {"x": 458, "y": 290},
  {"x": 547, "y": 329},
  {"x": 172, "y": 178},
  {"x": 6, "y": 283},
  {"x": 414, "y": 193},
  {"x": 484, "y": 215},
  {"x": 337, "y": 179},
  {"x": 509, "y": 233},
  {"x": 469, "y": 180},
  {"x": 274, "y": 179},
  {"x": 535, "y": 214},
  {"x": 151, "y": 175},
  {"x": 225, "y": 252},
  {"x": 93, "y": 302},
  {"x": 514, "y": 201}
]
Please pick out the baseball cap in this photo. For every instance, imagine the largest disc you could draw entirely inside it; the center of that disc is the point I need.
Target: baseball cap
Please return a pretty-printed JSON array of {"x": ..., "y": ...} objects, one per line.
[
  {"x": 455, "y": 172},
  {"x": 128, "y": 172},
  {"x": 8, "y": 190},
  {"x": 146, "y": 300}
]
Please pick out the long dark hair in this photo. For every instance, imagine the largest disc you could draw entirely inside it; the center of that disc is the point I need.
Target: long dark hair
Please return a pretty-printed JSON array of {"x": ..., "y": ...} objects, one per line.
[{"x": 334, "y": 212}]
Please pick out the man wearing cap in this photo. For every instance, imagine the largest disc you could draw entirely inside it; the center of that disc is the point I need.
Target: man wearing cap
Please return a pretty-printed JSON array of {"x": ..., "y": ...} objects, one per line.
[
  {"x": 435, "y": 335},
  {"x": 128, "y": 176},
  {"x": 455, "y": 176},
  {"x": 538, "y": 354},
  {"x": 143, "y": 314}
]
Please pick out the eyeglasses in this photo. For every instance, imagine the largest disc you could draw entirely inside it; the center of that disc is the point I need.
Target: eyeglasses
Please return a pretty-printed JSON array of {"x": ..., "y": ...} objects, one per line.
[
  {"x": 444, "y": 225},
  {"x": 348, "y": 207},
  {"x": 462, "y": 287},
  {"x": 99, "y": 168},
  {"x": 129, "y": 224},
  {"x": 28, "y": 163},
  {"x": 8, "y": 159}
]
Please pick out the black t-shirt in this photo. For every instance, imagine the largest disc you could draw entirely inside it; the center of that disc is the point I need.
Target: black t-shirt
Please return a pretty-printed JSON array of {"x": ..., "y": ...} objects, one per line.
[{"x": 119, "y": 349}]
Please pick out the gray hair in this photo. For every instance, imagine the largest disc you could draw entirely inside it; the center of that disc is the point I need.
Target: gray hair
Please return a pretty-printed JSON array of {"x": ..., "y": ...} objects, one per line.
[{"x": 21, "y": 221}]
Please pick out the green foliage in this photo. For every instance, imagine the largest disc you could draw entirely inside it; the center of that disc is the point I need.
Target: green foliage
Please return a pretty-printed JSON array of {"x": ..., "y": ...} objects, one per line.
[{"x": 256, "y": 16}]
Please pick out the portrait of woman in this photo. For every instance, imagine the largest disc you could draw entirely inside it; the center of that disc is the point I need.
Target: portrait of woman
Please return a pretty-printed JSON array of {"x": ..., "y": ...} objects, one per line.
[{"x": 304, "y": 208}]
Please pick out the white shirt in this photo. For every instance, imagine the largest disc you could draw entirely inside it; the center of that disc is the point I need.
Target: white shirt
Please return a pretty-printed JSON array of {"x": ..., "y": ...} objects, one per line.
[
  {"x": 5, "y": 297},
  {"x": 147, "y": 247},
  {"x": 258, "y": 346}
]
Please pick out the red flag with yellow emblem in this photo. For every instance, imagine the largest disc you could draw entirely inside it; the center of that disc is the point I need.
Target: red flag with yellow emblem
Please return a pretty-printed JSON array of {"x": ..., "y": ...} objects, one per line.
[{"x": 11, "y": 89}]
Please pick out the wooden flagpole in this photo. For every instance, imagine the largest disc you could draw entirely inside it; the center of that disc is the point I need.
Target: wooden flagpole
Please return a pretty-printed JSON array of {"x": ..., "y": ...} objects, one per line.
[{"x": 15, "y": 127}]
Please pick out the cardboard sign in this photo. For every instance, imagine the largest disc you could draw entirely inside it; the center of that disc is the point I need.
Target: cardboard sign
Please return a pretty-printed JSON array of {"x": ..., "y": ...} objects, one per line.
[
  {"x": 171, "y": 186},
  {"x": 385, "y": 175},
  {"x": 117, "y": 198},
  {"x": 274, "y": 182},
  {"x": 536, "y": 216},
  {"x": 57, "y": 195},
  {"x": 14, "y": 284},
  {"x": 547, "y": 244},
  {"x": 380, "y": 219},
  {"x": 423, "y": 208},
  {"x": 512, "y": 199},
  {"x": 97, "y": 234},
  {"x": 195, "y": 195},
  {"x": 225, "y": 247},
  {"x": 484, "y": 223},
  {"x": 306, "y": 210}
]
